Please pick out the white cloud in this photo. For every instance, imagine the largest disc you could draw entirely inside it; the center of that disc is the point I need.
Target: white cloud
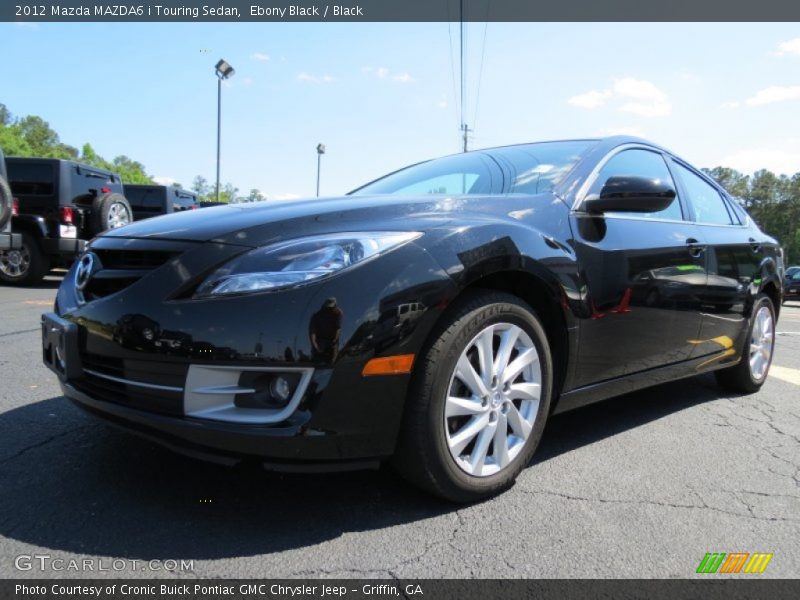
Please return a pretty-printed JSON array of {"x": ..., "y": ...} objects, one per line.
[
  {"x": 781, "y": 161},
  {"x": 385, "y": 73},
  {"x": 591, "y": 99},
  {"x": 164, "y": 180},
  {"x": 314, "y": 78},
  {"x": 774, "y": 93},
  {"x": 26, "y": 25},
  {"x": 789, "y": 47},
  {"x": 260, "y": 56},
  {"x": 638, "y": 96},
  {"x": 609, "y": 131},
  {"x": 443, "y": 102},
  {"x": 732, "y": 105},
  {"x": 287, "y": 196},
  {"x": 647, "y": 100}
]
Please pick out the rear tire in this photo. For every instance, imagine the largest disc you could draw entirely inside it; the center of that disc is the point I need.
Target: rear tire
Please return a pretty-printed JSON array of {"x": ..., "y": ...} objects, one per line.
[
  {"x": 110, "y": 211},
  {"x": 751, "y": 372},
  {"x": 442, "y": 407},
  {"x": 26, "y": 265}
]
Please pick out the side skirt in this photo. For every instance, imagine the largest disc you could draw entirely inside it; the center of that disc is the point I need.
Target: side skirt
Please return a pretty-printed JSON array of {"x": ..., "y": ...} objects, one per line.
[{"x": 596, "y": 392}]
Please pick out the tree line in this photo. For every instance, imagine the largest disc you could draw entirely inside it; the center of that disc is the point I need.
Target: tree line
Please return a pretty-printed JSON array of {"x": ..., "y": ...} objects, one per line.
[
  {"x": 772, "y": 200},
  {"x": 31, "y": 135}
]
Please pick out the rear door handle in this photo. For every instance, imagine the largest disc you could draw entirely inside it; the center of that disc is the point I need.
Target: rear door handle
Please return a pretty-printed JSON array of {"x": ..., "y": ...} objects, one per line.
[
  {"x": 756, "y": 246},
  {"x": 695, "y": 248}
]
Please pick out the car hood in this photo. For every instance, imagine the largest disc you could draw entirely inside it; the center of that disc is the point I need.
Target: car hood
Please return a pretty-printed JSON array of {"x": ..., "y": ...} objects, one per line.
[{"x": 257, "y": 223}]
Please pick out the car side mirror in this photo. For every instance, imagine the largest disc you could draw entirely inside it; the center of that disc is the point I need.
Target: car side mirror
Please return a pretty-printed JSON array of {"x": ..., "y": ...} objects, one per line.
[{"x": 630, "y": 194}]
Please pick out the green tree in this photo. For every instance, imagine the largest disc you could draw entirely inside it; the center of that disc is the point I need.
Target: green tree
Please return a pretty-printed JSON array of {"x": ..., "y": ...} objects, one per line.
[{"x": 255, "y": 196}]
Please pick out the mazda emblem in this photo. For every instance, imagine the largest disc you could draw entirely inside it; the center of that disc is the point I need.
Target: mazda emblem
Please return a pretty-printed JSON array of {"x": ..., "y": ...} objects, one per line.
[{"x": 87, "y": 266}]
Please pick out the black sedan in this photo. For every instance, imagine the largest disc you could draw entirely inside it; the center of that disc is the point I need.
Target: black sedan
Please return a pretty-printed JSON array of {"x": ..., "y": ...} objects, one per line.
[{"x": 434, "y": 318}]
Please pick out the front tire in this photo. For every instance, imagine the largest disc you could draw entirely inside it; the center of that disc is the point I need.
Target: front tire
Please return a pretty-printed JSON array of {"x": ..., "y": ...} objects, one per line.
[
  {"x": 479, "y": 399},
  {"x": 751, "y": 372}
]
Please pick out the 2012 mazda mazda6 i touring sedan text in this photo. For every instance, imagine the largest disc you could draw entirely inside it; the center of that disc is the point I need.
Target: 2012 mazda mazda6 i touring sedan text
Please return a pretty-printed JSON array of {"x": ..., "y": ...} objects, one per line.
[{"x": 435, "y": 317}]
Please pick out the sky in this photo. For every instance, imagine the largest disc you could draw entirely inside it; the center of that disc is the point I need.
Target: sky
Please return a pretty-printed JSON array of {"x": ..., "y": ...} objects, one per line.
[{"x": 381, "y": 96}]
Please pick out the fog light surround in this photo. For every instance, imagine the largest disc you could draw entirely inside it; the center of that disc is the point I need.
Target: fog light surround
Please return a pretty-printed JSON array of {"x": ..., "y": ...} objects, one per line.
[{"x": 249, "y": 395}]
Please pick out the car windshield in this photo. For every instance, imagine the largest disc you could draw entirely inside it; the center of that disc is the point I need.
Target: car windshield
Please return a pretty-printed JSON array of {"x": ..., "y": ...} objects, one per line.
[{"x": 534, "y": 168}]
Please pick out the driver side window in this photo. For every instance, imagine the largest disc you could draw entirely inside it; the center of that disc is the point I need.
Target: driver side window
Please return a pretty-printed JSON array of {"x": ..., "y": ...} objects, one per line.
[{"x": 639, "y": 163}]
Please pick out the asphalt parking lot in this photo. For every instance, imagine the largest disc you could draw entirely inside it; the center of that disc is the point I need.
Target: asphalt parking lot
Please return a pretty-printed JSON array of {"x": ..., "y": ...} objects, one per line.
[{"x": 639, "y": 486}]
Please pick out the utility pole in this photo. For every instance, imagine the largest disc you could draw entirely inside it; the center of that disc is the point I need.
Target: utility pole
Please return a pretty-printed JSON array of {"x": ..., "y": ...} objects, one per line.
[{"x": 464, "y": 127}]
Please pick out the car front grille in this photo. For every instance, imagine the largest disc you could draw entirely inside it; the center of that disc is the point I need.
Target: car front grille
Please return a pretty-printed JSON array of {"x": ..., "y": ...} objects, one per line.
[
  {"x": 133, "y": 259},
  {"x": 121, "y": 268},
  {"x": 146, "y": 385}
]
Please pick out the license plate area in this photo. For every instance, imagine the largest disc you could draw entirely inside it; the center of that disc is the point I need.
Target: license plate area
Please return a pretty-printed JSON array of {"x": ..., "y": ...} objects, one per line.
[{"x": 60, "y": 346}]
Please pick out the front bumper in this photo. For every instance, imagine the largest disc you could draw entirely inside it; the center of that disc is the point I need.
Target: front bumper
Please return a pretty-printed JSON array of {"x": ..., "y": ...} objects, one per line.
[{"x": 129, "y": 356}]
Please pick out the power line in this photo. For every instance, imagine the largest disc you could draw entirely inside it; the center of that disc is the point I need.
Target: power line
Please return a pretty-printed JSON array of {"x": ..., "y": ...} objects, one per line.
[{"x": 480, "y": 72}]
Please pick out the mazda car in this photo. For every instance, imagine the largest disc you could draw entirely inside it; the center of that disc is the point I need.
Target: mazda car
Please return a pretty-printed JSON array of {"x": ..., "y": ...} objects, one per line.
[{"x": 434, "y": 319}]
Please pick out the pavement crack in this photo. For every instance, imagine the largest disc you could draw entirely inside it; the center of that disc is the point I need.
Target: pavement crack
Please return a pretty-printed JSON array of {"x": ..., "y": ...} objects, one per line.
[
  {"x": 18, "y": 332},
  {"x": 39, "y": 444},
  {"x": 682, "y": 506}
]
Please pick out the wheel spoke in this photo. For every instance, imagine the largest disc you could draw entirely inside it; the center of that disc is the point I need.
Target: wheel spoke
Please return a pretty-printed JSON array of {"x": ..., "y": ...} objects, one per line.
[
  {"x": 466, "y": 373},
  {"x": 508, "y": 340},
  {"x": 518, "y": 424},
  {"x": 484, "y": 344},
  {"x": 518, "y": 364},
  {"x": 525, "y": 391},
  {"x": 478, "y": 455},
  {"x": 464, "y": 435},
  {"x": 500, "y": 448},
  {"x": 457, "y": 407}
]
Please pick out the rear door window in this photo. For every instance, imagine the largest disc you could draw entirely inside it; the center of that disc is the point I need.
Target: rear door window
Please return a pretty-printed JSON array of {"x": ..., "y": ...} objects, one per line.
[
  {"x": 706, "y": 201},
  {"x": 32, "y": 179}
]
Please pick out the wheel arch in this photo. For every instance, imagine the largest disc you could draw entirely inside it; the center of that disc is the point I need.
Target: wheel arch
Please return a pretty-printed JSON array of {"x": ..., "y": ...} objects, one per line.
[
  {"x": 771, "y": 289},
  {"x": 535, "y": 290}
]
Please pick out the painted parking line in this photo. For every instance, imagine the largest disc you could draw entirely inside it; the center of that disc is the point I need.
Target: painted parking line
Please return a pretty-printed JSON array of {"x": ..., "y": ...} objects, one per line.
[{"x": 785, "y": 374}]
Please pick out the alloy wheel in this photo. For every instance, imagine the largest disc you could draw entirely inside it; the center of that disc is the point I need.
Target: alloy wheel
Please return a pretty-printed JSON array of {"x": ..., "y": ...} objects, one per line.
[
  {"x": 762, "y": 340},
  {"x": 118, "y": 215},
  {"x": 15, "y": 263},
  {"x": 493, "y": 399}
]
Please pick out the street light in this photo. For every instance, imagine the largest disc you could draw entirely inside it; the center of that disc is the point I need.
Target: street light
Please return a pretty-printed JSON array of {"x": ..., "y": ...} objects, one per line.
[
  {"x": 320, "y": 152},
  {"x": 224, "y": 71}
]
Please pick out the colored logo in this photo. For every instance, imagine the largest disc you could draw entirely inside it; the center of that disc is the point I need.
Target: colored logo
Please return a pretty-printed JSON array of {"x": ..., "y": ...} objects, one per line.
[{"x": 735, "y": 562}]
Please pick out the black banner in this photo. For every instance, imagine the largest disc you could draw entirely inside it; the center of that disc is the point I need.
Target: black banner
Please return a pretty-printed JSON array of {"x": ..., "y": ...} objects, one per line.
[
  {"x": 399, "y": 10},
  {"x": 701, "y": 588}
]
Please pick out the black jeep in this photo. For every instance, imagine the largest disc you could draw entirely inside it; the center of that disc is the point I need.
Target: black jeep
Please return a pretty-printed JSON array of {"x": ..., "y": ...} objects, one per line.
[
  {"x": 61, "y": 203},
  {"x": 153, "y": 200},
  {"x": 8, "y": 241}
]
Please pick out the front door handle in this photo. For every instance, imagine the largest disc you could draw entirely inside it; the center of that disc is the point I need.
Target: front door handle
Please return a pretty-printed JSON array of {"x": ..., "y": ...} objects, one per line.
[
  {"x": 695, "y": 248},
  {"x": 756, "y": 246}
]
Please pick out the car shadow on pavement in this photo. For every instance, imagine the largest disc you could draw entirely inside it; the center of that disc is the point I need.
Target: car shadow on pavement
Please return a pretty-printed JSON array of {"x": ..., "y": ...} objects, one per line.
[{"x": 71, "y": 483}]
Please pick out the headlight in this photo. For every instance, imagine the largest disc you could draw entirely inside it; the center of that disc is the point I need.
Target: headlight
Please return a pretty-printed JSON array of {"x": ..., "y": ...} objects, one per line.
[{"x": 298, "y": 261}]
